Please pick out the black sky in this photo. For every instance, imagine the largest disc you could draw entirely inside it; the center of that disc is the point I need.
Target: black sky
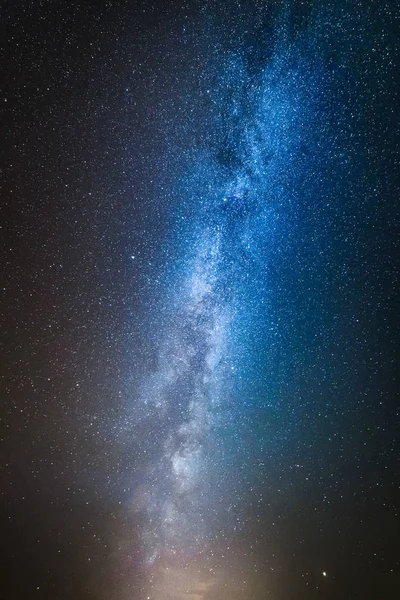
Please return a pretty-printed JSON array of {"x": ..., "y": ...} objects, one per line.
[{"x": 104, "y": 107}]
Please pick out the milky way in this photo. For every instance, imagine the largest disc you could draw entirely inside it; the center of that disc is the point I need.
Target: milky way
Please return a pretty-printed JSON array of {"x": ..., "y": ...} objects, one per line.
[{"x": 241, "y": 202}]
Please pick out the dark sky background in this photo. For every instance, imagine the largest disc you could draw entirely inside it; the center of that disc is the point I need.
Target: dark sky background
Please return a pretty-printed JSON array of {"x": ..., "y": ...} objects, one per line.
[{"x": 249, "y": 149}]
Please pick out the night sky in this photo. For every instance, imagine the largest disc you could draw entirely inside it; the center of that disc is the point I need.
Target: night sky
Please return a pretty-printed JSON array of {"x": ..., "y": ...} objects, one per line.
[{"x": 199, "y": 297}]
